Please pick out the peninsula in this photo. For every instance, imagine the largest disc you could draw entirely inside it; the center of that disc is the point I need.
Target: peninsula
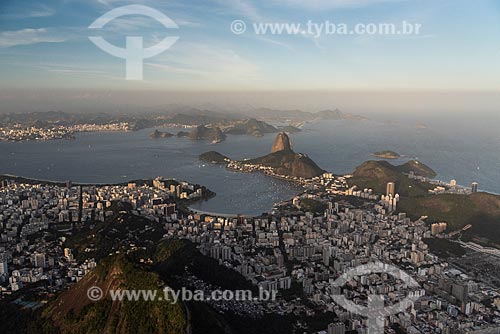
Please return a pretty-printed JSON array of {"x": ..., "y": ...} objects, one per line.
[{"x": 282, "y": 162}]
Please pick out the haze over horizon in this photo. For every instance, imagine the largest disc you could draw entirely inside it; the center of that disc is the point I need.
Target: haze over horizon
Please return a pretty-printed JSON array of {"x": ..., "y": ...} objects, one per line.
[{"x": 360, "y": 102}]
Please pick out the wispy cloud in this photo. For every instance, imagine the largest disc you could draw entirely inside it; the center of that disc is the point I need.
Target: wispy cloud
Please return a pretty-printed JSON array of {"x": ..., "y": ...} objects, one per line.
[
  {"x": 243, "y": 8},
  {"x": 34, "y": 11},
  {"x": 207, "y": 62},
  {"x": 114, "y": 3},
  {"x": 188, "y": 23},
  {"x": 29, "y": 36},
  {"x": 247, "y": 10},
  {"x": 77, "y": 70},
  {"x": 42, "y": 11},
  {"x": 331, "y": 4},
  {"x": 129, "y": 23},
  {"x": 65, "y": 68},
  {"x": 275, "y": 42}
]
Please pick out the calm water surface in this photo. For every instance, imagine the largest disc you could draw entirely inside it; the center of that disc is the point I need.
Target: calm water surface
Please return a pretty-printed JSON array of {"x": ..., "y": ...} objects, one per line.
[{"x": 467, "y": 151}]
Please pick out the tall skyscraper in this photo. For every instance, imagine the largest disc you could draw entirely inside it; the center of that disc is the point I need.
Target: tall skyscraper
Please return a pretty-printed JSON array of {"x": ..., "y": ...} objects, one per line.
[
  {"x": 4, "y": 269},
  {"x": 474, "y": 187},
  {"x": 68, "y": 254},
  {"x": 39, "y": 260},
  {"x": 336, "y": 328},
  {"x": 391, "y": 189},
  {"x": 326, "y": 255}
]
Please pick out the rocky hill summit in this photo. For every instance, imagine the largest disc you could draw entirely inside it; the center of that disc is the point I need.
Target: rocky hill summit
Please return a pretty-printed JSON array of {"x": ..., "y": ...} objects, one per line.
[{"x": 282, "y": 143}]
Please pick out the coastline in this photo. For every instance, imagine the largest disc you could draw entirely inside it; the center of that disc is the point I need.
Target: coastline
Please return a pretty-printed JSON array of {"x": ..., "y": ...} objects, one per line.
[
  {"x": 186, "y": 204},
  {"x": 29, "y": 180}
]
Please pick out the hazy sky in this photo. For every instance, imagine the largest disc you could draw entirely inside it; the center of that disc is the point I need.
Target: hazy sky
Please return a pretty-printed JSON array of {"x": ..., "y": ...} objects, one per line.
[{"x": 46, "y": 46}]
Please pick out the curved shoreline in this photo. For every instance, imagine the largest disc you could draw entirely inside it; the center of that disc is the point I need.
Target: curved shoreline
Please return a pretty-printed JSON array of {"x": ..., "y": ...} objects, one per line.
[
  {"x": 219, "y": 214},
  {"x": 31, "y": 180}
]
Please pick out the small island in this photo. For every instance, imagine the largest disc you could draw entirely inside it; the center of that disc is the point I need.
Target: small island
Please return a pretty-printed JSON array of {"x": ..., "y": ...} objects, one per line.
[
  {"x": 387, "y": 155},
  {"x": 421, "y": 125},
  {"x": 159, "y": 134},
  {"x": 214, "y": 157},
  {"x": 202, "y": 132}
]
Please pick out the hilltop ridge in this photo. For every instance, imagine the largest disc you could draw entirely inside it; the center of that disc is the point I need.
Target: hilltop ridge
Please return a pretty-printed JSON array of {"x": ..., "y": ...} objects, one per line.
[
  {"x": 376, "y": 174},
  {"x": 252, "y": 127}
]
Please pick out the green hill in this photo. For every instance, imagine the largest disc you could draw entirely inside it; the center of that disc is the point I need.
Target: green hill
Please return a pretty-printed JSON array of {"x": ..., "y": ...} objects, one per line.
[
  {"x": 481, "y": 210},
  {"x": 115, "y": 234},
  {"x": 73, "y": 312},
  {"x": 376, "y": 174},
  {"x": 214, "y": 157},
  {"x": 418, "y": 168}
]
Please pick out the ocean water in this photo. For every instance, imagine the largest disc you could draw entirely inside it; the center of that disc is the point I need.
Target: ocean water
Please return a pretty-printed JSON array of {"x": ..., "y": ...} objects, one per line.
[{"x": 466, "y": 148}]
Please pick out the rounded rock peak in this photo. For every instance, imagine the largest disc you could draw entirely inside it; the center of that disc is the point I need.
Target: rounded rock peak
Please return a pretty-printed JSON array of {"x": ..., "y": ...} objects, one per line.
[{"x": 282, "y": 143}]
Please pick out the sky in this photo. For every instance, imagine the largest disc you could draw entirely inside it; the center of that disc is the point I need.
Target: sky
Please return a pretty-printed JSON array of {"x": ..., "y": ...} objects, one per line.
[{"x": 45, "y": 46}]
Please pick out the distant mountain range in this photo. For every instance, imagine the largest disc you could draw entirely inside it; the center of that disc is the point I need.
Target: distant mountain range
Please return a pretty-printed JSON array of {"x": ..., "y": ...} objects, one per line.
[
  {"x": 247, "y": 122},
  {"x": 301, "y": 116},
  {"x": 217, "y": 134}
]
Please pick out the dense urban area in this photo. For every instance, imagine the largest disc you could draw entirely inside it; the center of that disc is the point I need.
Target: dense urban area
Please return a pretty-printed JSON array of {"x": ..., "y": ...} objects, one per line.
[{"x": 298, "y": 251}]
